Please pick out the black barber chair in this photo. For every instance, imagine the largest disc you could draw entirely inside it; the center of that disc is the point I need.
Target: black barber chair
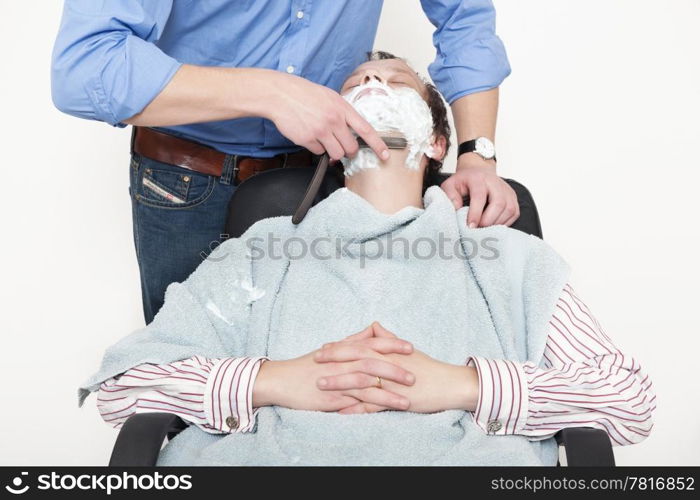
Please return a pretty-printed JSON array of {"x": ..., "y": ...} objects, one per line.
[{"x": 278, "y": 192}]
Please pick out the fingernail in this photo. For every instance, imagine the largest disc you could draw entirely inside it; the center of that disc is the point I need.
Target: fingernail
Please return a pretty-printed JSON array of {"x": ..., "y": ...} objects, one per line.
[
  {"x": 322, "y": 382},
  {"x": 318, "y": 355},
  {"x": 406, "y": 347},
  {"x": 385, "y": 154},
  {"x": 472, "y": 225},
  {"x": 410, "y": 378},
  {"x": 403, "y": 403}
]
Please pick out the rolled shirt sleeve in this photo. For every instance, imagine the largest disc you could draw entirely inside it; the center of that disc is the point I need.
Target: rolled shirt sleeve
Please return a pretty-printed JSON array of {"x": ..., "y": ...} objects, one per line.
[
  {"x": 470, "y": 57},
  {"x": 105, "y": 63}
]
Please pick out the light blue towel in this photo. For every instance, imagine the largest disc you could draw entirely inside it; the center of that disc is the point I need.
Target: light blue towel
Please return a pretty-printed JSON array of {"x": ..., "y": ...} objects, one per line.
[{"x": 285, "y": 303}]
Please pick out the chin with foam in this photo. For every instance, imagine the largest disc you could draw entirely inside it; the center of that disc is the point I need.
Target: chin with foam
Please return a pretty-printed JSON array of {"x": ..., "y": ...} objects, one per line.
[{"x": 390, "y": 110}]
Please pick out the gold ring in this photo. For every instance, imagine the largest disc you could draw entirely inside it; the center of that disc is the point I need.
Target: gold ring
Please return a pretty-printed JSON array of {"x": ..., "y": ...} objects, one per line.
[{"x": 379, "y": 382}]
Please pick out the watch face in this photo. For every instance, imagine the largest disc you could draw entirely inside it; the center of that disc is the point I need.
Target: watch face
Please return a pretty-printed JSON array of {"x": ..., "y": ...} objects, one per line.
[{"x": 485, "y": 148}]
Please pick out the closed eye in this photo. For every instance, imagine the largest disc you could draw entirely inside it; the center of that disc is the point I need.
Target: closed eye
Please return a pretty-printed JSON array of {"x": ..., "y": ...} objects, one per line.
[{"x": 399, "y": 83}]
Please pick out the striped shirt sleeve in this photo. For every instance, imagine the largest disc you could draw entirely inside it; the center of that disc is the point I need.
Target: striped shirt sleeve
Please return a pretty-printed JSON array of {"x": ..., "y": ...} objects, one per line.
[
  {"x": 214, "y": 394},
  {"x": 583, "y": 381}
]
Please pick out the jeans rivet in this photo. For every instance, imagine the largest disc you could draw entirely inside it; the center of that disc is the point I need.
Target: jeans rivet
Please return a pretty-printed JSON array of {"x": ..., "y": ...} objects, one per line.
[{"x": 186, "y": 178}]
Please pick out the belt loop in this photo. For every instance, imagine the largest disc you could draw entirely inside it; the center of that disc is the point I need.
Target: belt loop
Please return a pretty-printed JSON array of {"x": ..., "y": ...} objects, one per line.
[
  {"x": 230, "y": 169},
  {"x": 133, "y": 139}
]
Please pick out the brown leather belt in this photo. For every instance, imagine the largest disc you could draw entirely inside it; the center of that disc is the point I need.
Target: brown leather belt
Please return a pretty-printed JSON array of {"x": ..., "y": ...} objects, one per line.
[{"x": 191, "y": 155}]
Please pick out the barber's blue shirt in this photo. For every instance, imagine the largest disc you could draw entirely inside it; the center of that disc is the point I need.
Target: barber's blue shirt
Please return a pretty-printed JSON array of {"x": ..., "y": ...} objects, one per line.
[{"x": 112, "y": 57}]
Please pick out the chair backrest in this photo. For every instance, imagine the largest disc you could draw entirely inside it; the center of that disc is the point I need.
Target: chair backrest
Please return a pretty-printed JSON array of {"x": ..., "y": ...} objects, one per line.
[{"x": 278, "y": 192}]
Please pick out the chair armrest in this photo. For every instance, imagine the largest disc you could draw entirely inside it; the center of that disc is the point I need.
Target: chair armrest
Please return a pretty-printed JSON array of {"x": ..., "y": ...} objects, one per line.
[
  {"x": 141, "y": 438},
  {"x": 586, "y": 446}
]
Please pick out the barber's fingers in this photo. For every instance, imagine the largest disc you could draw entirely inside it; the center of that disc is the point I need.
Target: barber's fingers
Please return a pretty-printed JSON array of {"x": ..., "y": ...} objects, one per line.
[
  {"x": 493, "y": 211},
  {"x": 478, "y": 195},
  {"x": 380, "y": 397},
  {"x": 331, "y": 145},
  {"x": 503, "y": 204},
  {"x": 347, "y": 140},
  {"x": 362, "y": 407},
  {"x": 455, "y": 191},
  {"x": 315, "y": 147},
  {"x": 512, "y": 211},
  {"x": 515, "y": 217},
  {"x": 365, "y": 130}
]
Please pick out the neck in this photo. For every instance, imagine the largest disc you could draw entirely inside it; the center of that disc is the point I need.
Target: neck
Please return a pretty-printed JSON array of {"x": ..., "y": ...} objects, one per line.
[{"x": 391, "y": 186}]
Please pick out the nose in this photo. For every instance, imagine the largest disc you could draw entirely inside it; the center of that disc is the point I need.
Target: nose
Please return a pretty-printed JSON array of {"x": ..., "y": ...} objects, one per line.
[{"x": 370, "y": 75}]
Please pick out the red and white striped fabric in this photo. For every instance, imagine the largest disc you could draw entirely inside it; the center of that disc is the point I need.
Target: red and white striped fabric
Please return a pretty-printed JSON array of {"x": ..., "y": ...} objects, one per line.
[
  {"x": 585, "y": 382},
  {"x": 214, "y": 394}
]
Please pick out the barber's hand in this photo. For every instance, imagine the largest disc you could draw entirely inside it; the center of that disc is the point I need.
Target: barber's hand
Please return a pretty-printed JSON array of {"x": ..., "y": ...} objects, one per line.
[
  {"x": 319, "y": 119},
  {"x": 438, "y": 386},
  {"x": 293, "y": 383},
  {"x": 477, "y": 178}
]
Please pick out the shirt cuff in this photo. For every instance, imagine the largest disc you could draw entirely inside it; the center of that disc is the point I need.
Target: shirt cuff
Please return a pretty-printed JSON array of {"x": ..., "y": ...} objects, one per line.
[
  {"x": 228, "y": 395},
  {"x": 502, "y": 407}
]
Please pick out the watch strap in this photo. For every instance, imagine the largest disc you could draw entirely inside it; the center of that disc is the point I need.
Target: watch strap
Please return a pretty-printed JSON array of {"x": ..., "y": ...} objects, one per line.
[{"x": 469, "y": 147}]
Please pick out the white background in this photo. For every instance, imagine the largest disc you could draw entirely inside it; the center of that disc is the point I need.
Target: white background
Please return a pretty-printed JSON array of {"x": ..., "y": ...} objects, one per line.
[{"x": 599, "y": 119}]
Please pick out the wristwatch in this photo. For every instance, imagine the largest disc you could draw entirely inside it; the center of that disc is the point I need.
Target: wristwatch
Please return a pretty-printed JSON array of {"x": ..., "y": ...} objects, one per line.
[{"x": 481, "y": 146}]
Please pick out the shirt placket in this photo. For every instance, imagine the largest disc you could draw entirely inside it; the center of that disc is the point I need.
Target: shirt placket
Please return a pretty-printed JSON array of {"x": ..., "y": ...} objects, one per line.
[{"x": 293, "y": 52}]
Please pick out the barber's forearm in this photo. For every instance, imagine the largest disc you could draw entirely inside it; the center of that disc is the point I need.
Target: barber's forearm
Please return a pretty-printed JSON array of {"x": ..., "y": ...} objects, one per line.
[
  {"x": 201, "y": 94},
  {"x": 475, "y": 116}
]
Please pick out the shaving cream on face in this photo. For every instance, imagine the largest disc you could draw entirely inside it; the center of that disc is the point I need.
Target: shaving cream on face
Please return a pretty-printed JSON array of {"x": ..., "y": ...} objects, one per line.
[{"x": 388, "y": 110}]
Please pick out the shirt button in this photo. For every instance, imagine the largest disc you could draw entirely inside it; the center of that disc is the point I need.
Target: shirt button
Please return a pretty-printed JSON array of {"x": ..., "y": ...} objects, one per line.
[
  {"x": 290, "y": 69},
  {"x": 493, "y": 426},
  {"x": 300, "y": 14},
  {"x": 232, "y": 422}
]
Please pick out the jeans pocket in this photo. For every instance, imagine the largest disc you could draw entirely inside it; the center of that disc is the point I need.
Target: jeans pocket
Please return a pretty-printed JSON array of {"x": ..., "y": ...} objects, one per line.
[{"x": 169, "y": 186}]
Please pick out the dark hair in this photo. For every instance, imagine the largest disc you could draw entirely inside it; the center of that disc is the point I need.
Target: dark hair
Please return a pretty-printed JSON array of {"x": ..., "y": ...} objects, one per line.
[{"x": 441, "y": 127}]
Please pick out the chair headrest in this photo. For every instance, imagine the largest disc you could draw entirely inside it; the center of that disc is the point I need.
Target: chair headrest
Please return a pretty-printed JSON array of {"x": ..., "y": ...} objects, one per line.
[{"x": 278, "y": 192}]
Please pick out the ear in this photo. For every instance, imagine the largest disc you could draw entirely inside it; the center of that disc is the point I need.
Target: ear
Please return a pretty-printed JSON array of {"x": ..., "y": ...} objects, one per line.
[{"x": 439, "y": 146}]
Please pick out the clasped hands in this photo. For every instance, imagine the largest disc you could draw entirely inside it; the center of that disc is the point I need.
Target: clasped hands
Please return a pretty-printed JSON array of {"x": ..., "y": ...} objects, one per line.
[{"x": 343, "y": 376}]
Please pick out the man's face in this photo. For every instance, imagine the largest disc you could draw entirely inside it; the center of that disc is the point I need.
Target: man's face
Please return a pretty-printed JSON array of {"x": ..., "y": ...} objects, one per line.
[
  {"x": 392, "y": 98},
  {"x": 391, "y": 72}
]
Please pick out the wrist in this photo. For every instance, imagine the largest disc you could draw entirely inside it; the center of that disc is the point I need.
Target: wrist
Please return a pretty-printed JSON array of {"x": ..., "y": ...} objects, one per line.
[
  {"x": 464, "y": 388},
  {"x": 254, "y": 91},
  {"x": 265, "y": 387},
  {"x": 470, "y": 160}
]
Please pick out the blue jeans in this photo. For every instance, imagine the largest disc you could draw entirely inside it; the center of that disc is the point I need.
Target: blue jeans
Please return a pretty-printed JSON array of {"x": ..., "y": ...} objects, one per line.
[{"x": 178, "y": 218}]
